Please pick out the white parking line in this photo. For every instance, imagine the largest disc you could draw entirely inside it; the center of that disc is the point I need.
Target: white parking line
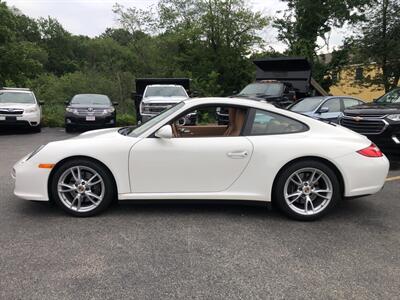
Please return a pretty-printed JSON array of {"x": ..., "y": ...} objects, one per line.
[{"x": 393, "y": 178}]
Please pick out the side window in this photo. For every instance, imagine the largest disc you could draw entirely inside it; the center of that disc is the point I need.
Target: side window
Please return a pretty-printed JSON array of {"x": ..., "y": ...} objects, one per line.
[
  {"x": 266, "y": 123},
  {"x": 333, "y": 105},
  {"x": 210, "y": 121},
  {"x": 348, "y": 102}
]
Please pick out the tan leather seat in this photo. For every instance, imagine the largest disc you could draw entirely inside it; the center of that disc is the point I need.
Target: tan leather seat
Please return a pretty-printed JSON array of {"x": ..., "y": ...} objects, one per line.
[
  {"x": 236, "y": 121},
  {"x": 231, "y": 124}
]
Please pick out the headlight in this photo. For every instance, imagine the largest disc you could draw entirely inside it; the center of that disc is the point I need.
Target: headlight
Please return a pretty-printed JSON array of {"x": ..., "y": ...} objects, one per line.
[
  {"x": 109, "y": 110},
  {"x": 71, "y": 110},
  {"x": 395, "y": 117},
  {"x": 35, "y": 152},
  {"x": 31, "y": 110}
]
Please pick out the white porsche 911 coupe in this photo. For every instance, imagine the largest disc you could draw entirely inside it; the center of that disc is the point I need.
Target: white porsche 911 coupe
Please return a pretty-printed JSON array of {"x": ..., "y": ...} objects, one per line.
[{"x": 304, "y": 166}]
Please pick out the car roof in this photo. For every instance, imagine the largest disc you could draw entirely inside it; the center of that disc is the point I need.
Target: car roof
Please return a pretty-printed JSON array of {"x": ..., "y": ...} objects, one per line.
[
  {"x": 330, "y": 97},
  {"x": 230, "y": 101},
  {"x": 90, "y": 95},
  {"x": 174, "y": 85}
]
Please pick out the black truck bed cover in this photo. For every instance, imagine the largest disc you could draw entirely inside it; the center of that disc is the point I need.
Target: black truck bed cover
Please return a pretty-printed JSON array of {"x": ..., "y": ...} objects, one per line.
[{"x": 294, "y": 70}]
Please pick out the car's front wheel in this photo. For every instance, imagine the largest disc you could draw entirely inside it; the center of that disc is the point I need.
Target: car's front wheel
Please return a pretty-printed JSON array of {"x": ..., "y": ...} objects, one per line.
[
  {"x": 307, "y": 190},
  {"x": 82, "y": 187}
]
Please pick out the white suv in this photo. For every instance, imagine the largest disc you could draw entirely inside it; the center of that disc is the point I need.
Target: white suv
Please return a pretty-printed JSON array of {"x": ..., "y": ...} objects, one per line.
[{"x": 19, "y": 108}]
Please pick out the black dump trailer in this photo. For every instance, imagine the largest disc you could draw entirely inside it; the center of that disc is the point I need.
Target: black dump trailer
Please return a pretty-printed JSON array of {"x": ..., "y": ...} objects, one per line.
[
  {"x": 141, "y": 84},
  {"x": 295, "y": 71}
]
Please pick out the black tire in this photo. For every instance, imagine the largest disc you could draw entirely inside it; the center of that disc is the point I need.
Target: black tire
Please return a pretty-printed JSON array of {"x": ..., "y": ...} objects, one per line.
[
  {"x": 69, "y": 128},
  {"x": 37, "y": 128},
  {"x": 110, "y": 191},
  {"x": 279, "y": 190}
]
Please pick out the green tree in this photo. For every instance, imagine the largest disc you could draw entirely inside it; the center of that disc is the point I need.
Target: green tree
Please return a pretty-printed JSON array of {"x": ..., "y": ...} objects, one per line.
[
  {"x": 305, "y": 21},
  {"x": 20, "y": 57},
  {"x": 379, "y": 42},
  {"x": 208, "y": 39},
  {"x": 59, "y": 45}
]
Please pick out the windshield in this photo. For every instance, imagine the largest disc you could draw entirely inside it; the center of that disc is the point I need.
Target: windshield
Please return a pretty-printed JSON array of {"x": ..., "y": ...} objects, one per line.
[
  {"x": 91, "y": 99},
  {"x": 15, "y": 97},
  {"x": 270, "y": 89},
  {"x": 307, "y": 104},
  {"x": 153, "y": 121},
  {"x": 391, "y": 97},
  {"x": 165, "y": 91}
]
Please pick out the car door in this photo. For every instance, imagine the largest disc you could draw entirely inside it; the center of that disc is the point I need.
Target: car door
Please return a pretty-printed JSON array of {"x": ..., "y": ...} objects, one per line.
[
  {"x": 182, "y": 165},
  {"x": 335, "y": 108},
  {"x": 200, "y": 158}
]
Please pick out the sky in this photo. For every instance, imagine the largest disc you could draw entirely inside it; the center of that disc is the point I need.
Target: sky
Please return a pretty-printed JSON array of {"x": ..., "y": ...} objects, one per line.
[{"x": 92, "y": 17}]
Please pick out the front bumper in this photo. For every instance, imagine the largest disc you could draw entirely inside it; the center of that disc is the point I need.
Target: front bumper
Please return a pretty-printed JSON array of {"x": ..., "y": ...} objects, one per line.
[
  {"x": 24, "y": 120},
  {"x": 108, "y": 120},
  {"x": 389, "y": 140},
  {"x": 30, "y": 180}
]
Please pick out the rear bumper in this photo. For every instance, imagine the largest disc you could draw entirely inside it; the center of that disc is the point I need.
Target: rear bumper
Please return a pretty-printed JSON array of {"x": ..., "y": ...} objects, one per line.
[{"x": 363, "y": 175}]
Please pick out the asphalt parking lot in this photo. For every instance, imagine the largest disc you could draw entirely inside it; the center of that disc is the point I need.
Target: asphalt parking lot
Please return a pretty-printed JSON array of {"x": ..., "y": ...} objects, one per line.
[{"x": 212, "y": 251}]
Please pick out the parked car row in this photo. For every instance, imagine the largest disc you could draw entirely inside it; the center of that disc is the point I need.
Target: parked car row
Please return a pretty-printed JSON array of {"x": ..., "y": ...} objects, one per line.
[{"x": 19, "y": 108}]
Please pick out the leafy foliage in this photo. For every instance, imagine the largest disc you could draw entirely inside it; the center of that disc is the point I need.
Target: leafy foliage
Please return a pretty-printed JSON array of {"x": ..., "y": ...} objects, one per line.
[
  {"x": 305, "y": 22},
  {"x": 378, "y": 41}
]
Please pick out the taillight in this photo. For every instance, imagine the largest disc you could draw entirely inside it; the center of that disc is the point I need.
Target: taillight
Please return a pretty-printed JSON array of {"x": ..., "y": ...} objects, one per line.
[{"x": 371, "y": 151}]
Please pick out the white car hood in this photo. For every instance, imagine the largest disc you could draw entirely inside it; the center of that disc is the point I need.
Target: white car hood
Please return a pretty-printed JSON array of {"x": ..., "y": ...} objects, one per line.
[
  {"x": 163, "y": 99},
  {"x": 100, "y": 133}
]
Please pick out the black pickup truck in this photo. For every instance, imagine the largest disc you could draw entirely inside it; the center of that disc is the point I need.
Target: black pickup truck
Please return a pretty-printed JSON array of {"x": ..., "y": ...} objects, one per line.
[
  {"x": 279, "y": 81},
  {"x": 378, "y": 120}
]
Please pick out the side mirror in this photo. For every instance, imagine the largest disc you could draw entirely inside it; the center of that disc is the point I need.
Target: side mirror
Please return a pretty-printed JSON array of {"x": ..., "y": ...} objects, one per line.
[
  {"x": 164, "y": 132},
  {"x": 234, "y": 92},
  {"x": 323, "y": 110},
  {"x": 66, "y": 103},
  {"x": 115, "y": 103},
  {"x": 41, "y": 102}
]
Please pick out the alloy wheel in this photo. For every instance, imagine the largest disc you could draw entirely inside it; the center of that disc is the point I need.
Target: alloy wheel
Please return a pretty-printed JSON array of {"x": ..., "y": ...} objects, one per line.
[
  {"x": 308, "y": 191},
  {"x": 81, "y": 188}
]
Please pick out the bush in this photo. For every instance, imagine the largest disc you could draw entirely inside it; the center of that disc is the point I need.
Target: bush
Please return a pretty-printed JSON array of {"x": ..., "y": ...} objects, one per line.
[
  {"x": 125, "y": 120},
  {"x": 53, "y": 115}
]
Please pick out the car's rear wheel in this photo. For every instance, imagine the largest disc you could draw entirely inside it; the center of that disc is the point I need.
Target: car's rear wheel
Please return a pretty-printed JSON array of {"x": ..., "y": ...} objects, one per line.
[
  {"x": 306, "y": 190},
  {"x": 82, "y": 187}
]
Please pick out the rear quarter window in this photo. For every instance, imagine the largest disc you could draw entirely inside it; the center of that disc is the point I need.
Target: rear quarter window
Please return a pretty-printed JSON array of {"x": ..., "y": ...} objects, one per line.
[{"x": 268, "y": 123}]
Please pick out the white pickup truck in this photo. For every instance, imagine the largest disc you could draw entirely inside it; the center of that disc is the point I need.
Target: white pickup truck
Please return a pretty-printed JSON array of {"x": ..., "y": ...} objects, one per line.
[{"x": 159, "y": 97}]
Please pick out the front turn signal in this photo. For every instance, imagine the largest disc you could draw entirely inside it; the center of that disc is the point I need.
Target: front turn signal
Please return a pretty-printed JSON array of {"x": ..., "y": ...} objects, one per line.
[{"x": 46, "y": 166}]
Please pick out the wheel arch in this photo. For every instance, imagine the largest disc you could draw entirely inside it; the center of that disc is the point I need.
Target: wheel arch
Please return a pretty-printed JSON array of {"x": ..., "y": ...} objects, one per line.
[
  {"x": 63, "y": 161},
  {"x": 325, "y": 161}
]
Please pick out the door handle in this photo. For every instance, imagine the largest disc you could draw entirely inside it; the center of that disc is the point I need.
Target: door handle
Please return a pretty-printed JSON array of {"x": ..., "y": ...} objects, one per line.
[{"x": 239, "y": 154}]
